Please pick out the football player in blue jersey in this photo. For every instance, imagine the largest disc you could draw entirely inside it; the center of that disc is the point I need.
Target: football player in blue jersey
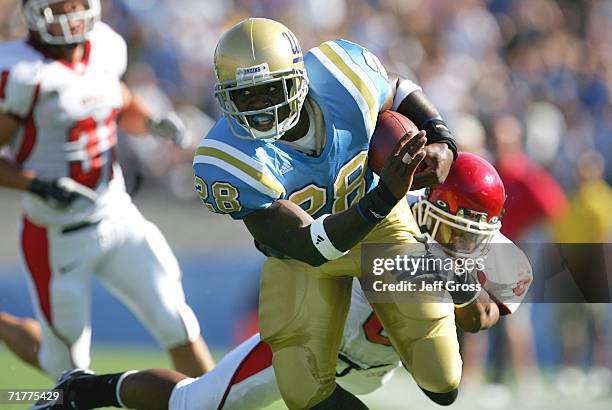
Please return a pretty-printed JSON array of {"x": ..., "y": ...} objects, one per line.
[{"x": 289, "y": 158}]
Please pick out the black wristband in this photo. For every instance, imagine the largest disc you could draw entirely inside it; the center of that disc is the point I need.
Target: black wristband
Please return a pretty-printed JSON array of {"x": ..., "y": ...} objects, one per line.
[
  {"x": 376, "y": 204},
  {"x": 39, "y": 188},
  {"x": 437, "y": 131},
  {"x": 52, "y": 192}
]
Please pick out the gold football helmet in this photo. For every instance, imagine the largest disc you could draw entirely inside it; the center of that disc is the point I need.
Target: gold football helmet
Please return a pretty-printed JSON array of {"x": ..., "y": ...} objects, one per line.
[{"x": 254, "y": 52}]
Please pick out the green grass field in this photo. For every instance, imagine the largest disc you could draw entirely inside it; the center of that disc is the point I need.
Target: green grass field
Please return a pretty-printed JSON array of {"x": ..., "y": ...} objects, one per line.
[
  {"x": 14, "y": 374},
  {"x": 400, "y": 393}
]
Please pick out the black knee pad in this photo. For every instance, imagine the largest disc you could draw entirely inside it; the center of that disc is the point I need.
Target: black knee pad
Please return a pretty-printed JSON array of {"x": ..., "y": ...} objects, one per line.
[
  {"x": 443, "y": 399},
  {"x": 340, "y": 399}
]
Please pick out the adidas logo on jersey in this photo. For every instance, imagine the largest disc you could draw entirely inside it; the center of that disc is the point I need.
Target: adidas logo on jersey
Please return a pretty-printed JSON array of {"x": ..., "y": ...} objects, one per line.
[{"x": 320, "y": 239}]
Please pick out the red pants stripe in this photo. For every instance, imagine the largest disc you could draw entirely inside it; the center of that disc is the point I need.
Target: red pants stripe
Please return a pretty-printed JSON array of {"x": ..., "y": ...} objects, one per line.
[{"x": 35, "y": 247}]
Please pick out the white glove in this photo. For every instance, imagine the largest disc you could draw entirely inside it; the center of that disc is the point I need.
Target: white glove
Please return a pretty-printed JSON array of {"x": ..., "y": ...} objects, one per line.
[{"x": 169, "y": 127}]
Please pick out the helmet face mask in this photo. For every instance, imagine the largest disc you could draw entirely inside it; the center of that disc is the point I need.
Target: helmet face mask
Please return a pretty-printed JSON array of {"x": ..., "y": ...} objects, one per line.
[
  {"x": 291, "y": 104},
  {"x": 254, "y": 53},
  {"x": 463, "y": 214},
  {"x": 41, "y": 18},
  {"x": 459, "y": 236}
]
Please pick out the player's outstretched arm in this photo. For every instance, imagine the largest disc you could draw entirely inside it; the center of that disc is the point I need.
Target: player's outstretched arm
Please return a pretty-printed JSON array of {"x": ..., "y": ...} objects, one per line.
[
  {"x": 136, "y": 119},
  {"x": 134, "y": 114},
  {"x": 287, "y": 228},
  {"x": 479, "y": 315}
]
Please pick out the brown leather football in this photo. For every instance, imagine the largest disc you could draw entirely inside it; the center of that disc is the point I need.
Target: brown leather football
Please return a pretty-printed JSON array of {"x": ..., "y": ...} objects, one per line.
[{"x": 391, "y": 126}]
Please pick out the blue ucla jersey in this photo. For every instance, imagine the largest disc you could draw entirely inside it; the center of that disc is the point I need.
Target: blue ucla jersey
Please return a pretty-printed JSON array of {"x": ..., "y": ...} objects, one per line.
[{"x": 237, "y": 177}]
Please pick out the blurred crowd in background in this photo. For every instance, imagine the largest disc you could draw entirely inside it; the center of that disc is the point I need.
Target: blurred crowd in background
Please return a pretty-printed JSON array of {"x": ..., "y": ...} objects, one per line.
[{"x": 524, "y": 83}]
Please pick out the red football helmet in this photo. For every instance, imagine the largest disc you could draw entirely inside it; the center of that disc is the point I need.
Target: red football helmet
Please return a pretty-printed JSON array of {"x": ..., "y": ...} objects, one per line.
[{"x": 463, "y": 214}]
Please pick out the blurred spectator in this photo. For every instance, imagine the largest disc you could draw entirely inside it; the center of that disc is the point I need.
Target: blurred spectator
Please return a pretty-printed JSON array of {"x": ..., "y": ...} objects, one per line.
[
  {"x": 588, "y": 219},
  {"x": 584, "y": 230},
  {"x": 470, "y": 135},
  {"x": 583, "y": 234},
  {"x": 534, "y": 196}
]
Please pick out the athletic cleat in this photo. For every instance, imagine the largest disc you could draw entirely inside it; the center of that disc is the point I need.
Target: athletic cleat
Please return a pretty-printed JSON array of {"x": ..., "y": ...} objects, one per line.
[{"x": 67, "y": 400}]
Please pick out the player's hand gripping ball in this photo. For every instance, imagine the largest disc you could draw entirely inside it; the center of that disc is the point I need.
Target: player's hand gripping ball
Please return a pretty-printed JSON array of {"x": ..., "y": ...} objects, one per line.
[{"x": 391, "y": 126}]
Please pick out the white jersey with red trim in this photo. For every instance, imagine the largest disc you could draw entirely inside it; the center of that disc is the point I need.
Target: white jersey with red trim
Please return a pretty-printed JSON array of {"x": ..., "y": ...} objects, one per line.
[{"x": 67, "y": 113}]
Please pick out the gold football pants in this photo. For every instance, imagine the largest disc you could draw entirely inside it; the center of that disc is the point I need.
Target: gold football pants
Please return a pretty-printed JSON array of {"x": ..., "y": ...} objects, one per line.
[{"x": 303, "y": 309}]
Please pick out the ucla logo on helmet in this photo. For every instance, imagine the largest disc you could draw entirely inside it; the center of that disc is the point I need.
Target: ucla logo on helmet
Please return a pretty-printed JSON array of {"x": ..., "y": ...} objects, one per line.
[
  {"x": 293, "y": 43},
  {"x": 249, "y": 73}
]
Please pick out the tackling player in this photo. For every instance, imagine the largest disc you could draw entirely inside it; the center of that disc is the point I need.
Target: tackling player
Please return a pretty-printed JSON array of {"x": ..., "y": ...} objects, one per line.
[
  {"x": 61, "y": 99},
  {"x": 451, "y": 215}
]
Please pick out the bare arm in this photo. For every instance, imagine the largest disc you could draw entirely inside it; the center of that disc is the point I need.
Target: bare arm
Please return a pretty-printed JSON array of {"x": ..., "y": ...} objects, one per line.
[
  {"x": 11, "y": 175},
  {"x": 135, "y": 115},
  {"x": 14, "y": 177},
  {"x": 415, "y": 106},
  {"x": 441, "y": 148},
  {"x": 285, "y": 227},
  {"x": 137, "y": 119},
  {"x": 481, "y": 314}
]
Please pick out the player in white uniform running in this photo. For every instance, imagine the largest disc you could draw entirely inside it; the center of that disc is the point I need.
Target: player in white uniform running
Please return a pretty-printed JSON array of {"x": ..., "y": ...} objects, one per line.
[
  {"x": 61, "y": 99},
  {"x": 244, "y": 378}
]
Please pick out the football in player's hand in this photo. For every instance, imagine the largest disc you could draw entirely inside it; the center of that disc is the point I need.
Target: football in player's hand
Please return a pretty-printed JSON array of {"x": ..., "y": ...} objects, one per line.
[{"x": 390, "y": 127}]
